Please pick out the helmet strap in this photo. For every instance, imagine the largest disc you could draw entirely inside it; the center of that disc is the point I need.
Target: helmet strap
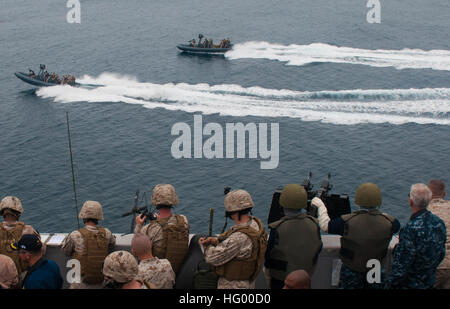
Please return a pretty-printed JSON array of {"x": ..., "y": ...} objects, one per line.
[
  {"x": 111, "y": 284},
  {"x": 225, "y": 225}
]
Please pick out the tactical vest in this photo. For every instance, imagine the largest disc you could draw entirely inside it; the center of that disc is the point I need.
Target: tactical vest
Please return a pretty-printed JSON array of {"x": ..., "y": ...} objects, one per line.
[
  {"x": 93, "y": 255},
  {"x": 297, "y": 245},
  {"x": 7, "y": 237},
  {"x": 175, "y": 242},
  {"x": 249, "y": 268},
  {"x": 367, "y": 234}
]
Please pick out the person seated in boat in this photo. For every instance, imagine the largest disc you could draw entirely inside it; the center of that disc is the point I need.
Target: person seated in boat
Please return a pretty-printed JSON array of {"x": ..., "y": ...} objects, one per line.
[
  {"x": 32, "y": 74},
  {"x": 204, "y": 43},
  {"x": 70, "y": 80},
  {"x": 210, "y": 43},
  {"x": 54, "y": 78},
  {"x": 45, "y": 76},
  {"x": 192, "y": 43}
]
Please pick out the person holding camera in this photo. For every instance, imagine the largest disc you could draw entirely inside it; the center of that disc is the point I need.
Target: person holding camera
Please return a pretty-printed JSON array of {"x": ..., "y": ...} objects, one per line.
[
  {"x": 169, "y": 232},
  {"x": 89, "y": 245}
]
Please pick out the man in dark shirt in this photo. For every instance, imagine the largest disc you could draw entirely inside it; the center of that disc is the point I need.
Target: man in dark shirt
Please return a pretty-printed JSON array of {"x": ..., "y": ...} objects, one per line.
[
  {"x": 41, "y": 273},
  {"x": 421, "y": 245}
]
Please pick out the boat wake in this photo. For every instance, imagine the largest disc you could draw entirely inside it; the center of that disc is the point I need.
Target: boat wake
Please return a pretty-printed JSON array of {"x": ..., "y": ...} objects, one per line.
[
  {"x": 345, "y": 107},
  {"x": 300, "y": 55}
]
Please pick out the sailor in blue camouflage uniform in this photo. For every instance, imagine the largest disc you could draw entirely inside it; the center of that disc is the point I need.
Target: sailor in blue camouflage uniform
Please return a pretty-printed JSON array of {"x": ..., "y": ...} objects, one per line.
[
  {"x": 421, "y": 247},
  {"x": 366, "y": 234}
]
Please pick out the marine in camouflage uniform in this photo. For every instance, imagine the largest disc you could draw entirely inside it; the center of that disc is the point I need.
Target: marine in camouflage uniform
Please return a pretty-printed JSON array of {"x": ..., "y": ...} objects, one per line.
[
  {"x": 237, "y": 255},
  {"x": 120, "y": 269},
  {"x": 11, "y": 230},
  {"x": 157, "y": 271},
  {"x": 90, "y": 245},
  {"x": 164, "y": 198},
  {"x": 151, "y": 269},
  {"x": 366, "y": 234},
  {"x": 9, "y": 277},
  {"x": 421, "y": 246},
  {"x": 441, "y": 208}
]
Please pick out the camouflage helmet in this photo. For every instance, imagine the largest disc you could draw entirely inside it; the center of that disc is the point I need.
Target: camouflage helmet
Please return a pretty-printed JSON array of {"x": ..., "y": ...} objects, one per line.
[
  {"x": 121, "y": 266},
  {"x": 11, "y": 202},
  {"x": 238, "y": 200},
  {"x": 164, "y": 194},
  {"x": 294, "y": 196},
  {"x": 368, "y": 195},
  {"x": 91, "y": 210}
]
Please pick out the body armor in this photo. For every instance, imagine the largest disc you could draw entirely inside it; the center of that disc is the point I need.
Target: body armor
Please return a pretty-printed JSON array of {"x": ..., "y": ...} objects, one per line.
[
  {"x": 297, "y": 245},
  {"x": 367, "y": 234},
  {"x": 93, "y": 255},
  {"x": 175, "y": 242},
  {"x": 245, "y": 269},
  {"x": 7, "y": 237}
]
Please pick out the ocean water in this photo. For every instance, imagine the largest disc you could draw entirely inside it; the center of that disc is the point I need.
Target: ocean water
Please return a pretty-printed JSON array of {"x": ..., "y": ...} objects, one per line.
[{"x": 365, "y": 102}]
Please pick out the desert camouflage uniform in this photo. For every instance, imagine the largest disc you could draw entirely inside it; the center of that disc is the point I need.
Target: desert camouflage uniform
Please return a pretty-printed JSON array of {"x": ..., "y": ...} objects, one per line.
[
  {"x": 236, "y": 245},
  {"x": 9, "y": 277},
  {"x": 441, "y": 208},
  {"x": 28, "y": 229},
  {"x": 154, "y": 231},
  {"x": 420, "y": 250},
  {"x": 74, "y": 243},
  {"x": 158, "y": 272}
]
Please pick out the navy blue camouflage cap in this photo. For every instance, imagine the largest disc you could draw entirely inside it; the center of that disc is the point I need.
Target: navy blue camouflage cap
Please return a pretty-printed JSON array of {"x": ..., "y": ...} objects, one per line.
[{"x": 28, "y": 242}]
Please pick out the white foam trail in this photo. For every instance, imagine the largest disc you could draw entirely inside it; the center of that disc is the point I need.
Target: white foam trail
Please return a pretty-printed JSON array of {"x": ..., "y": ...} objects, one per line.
[
  {"x": 320, "y": 52},
  {"x": 395, "y": 106}
]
